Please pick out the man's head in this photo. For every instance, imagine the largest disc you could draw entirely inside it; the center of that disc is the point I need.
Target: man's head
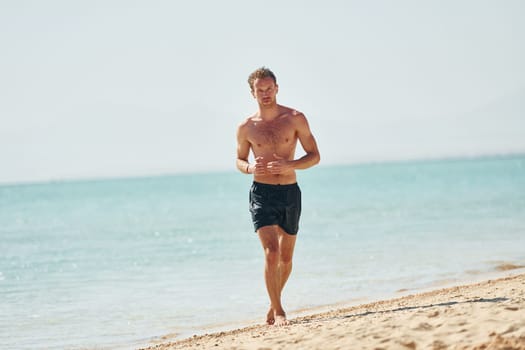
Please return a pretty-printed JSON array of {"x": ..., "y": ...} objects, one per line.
[
  {"x": 261, "y": 73},
  {"x": 263, "y": 85}
]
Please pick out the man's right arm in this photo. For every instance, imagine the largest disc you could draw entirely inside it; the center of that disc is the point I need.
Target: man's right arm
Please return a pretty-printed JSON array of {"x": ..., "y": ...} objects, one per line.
[{"x": 243, "y": 151}]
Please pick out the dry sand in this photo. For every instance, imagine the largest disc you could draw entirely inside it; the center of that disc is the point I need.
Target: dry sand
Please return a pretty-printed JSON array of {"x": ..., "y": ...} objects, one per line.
[{"x": 486, "y": 315}]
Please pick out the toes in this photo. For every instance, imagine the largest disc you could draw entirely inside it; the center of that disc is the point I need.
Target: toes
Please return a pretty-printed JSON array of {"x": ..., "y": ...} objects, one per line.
[{"x": 281, "y": 321}]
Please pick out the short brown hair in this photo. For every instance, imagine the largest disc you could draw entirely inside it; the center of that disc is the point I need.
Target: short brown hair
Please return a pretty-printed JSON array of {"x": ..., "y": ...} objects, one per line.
[{"x": 261, "y": 73}]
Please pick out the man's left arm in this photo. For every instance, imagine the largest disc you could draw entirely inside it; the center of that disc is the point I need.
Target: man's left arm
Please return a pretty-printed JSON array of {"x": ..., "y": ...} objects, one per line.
[{"x": 307, "y": 140}]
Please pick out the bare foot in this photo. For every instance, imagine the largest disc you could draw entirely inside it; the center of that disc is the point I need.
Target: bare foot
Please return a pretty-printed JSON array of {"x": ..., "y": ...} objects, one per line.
[
  {"x": 280, "y": 320},
  {"x": 270, "y": 319}
]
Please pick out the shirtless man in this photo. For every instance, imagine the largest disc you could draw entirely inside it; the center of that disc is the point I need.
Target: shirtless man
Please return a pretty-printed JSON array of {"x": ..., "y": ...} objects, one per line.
[{"x": 275, "y": 198}]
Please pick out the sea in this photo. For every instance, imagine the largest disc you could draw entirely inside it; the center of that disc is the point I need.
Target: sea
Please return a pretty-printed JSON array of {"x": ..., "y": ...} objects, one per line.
[{"x": 124, "y": 263}]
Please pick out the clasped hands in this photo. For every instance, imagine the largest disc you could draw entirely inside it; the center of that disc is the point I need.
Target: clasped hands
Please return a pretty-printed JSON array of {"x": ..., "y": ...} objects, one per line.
[{"x": 274, "y": 167}]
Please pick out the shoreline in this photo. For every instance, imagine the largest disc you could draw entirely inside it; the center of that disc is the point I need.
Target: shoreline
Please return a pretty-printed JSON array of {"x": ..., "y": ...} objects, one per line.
[{"x": 487, "y": 312}]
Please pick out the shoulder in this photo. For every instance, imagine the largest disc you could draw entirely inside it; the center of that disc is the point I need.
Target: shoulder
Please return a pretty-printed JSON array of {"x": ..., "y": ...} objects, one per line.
[
  {"x": 298, "y": 120},
  {"x": 295, "y": 116},
  {"x": 247, "y": 121},
  {"x": 245, "y": 124}
]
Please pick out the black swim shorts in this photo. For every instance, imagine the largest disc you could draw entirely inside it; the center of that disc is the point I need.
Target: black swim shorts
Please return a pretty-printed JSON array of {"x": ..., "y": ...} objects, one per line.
[{"x": 276, "y": 205}]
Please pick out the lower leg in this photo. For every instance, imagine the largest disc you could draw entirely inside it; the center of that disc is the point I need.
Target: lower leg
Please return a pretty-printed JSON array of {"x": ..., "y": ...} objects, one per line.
[
  {"x": 278, "y": 248},
  {"x": 285, "y": 269},
  {"x": 272, "y": 277},
  {"x": 284, "y": 272},
  {"x": 286, "y": 249}
]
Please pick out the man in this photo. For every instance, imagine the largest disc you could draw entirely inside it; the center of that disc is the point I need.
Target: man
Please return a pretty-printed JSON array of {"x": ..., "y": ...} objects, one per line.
[{"x": 271, "y": 134}]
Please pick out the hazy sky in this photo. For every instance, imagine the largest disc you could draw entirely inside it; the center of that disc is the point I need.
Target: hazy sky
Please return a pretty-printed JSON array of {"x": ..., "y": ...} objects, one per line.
[{"x": 111, "y": 88}]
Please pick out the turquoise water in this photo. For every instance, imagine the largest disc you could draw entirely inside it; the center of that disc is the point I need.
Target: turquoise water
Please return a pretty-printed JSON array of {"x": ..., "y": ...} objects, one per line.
[{"x": 116, "y": 263}]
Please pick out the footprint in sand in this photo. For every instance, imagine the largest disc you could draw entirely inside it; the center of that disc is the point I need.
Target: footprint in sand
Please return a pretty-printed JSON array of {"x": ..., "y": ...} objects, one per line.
[
  {"x": 433, "y": 314},
  {"x": 423, "y": 326}
]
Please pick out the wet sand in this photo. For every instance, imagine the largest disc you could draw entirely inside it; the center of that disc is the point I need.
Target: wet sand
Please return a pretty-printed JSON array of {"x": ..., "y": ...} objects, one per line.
[{"x": 484, "y": 315}]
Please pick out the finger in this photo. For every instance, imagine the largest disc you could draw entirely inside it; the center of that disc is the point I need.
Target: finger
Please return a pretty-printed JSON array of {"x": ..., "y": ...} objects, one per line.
[
  {"x": 277, "y": 156},
  {"x": 273, "y": 165},
  {"x": 259, "y": 159}
]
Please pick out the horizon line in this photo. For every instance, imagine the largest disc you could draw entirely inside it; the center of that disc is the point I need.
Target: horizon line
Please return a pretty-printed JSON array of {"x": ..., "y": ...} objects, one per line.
[{"x": 96, "y": 178}]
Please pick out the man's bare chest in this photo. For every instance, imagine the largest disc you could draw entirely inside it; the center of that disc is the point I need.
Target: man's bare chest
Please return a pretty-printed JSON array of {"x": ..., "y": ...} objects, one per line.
[{"x": 271, "y": 134}]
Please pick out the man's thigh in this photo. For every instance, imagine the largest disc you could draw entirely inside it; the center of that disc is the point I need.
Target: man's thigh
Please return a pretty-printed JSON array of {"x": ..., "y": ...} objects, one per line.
[
  {"x": 269, "y": 236},
  {"x": 286, "y": 244},
  {"x": 273, "y": 237}
]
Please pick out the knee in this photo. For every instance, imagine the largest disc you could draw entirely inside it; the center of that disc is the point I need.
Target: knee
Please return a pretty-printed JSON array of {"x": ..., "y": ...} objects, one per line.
[
  {"x": 272, "y": 257},
  {"x": 285, "y": 259}
]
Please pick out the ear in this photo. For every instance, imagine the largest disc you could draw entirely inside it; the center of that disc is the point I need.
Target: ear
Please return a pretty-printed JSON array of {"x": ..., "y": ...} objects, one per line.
[
  {"x": 276, "y": 89},
  {"x": 253, "y": 93}
]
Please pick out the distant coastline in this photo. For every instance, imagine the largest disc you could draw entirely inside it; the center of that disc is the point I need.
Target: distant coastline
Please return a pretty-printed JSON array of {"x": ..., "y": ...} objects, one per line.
[{"x": 97, "y": 178}]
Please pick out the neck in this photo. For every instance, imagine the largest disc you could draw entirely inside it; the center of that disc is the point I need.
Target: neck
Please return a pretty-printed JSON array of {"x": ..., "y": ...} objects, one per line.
[{"x": 269, "y": 112}]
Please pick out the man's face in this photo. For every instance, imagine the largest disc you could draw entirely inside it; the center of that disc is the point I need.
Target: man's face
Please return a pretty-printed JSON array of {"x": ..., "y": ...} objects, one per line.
[{"x": 265, "y": 91}]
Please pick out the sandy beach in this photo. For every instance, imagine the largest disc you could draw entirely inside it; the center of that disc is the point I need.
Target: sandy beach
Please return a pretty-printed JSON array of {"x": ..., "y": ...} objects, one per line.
[{"x": 483, "y": 315}]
